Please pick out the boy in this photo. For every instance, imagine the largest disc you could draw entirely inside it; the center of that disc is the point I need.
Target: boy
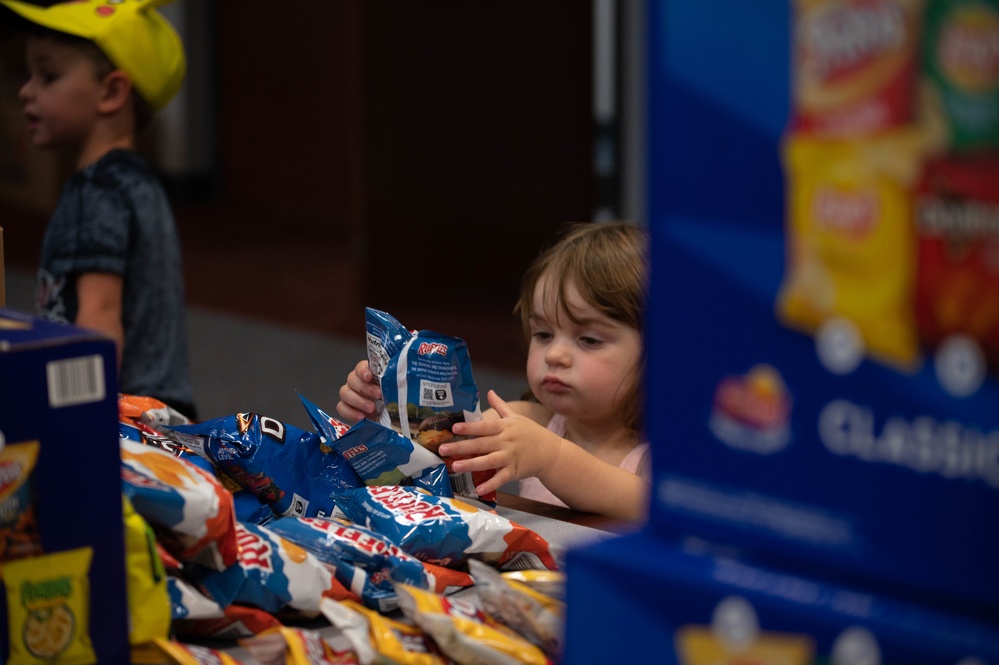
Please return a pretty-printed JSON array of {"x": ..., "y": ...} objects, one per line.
[{"x": 110, "y": 259}]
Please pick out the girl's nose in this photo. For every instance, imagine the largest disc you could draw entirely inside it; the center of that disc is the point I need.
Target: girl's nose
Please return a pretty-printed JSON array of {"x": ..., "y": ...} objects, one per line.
[{"x": 557, "y": 353}]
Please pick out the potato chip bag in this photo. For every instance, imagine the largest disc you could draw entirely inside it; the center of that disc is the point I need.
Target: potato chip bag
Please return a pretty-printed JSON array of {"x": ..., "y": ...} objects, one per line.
[
  {"x": 284, "y": 645},
  {"x": 378, "y": 639},
  {"x": 146, "y": 579},
  {"x": 957, "y": 285},
  {"x": 427, "y": 386},
  {"x": 164, "y": 651},
  {"x": 443, "y": 531},
  {"x": 533, "y": 615},
  {"x": 465, "y": 633},
  {"x": 850, "y": 241},
  {"x": 854, "y": 65},
  {"x": 272, "y": 573},
  {"x": 962, "y": 67},
  {"x": 19, "y": 536},
  {"x": 192, "y": 513},
  {"x": 288, "y": 468},
  {"x": 48, "y": 608}
]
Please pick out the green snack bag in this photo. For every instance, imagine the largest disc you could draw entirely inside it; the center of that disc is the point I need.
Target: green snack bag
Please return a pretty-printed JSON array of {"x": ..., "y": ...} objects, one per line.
[{"x": 961, "y": 56}]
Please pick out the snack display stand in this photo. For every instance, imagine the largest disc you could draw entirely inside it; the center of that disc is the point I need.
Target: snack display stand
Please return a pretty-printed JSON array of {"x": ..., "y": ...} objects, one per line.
[
  {"x": 58, "y": 392},
  {"x": 824, "y": 442}
]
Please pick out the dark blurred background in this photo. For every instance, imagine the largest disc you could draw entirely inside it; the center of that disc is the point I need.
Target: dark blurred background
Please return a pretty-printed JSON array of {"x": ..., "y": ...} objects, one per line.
[{"x": 410, "y": 156}]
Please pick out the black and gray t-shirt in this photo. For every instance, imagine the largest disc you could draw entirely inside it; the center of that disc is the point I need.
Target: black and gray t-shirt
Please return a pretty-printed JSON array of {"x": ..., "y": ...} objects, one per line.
[{"x": 114, "y": 217}]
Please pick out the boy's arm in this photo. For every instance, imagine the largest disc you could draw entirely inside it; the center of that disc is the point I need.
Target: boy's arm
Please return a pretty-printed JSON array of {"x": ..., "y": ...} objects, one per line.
[{"x": 99, "y": 308}]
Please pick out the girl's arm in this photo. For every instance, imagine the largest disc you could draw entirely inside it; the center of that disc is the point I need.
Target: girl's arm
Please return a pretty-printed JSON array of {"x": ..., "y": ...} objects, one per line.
[
  {"x": 99, "y": 308},
  {"x": 518, "y": 447}
]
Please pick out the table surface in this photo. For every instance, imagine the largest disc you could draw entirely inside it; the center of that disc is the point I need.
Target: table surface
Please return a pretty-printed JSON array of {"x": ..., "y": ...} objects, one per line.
[{"x": 550, "y": 511}]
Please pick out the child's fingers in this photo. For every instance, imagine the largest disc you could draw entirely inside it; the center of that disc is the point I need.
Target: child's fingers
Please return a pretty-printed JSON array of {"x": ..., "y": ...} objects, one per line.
[
  {"x": 502, "y": 408},
  {"x": 484, "y": 462},
  {"x": 478, "y": 428},
  {"x": 353, "y": 405}
]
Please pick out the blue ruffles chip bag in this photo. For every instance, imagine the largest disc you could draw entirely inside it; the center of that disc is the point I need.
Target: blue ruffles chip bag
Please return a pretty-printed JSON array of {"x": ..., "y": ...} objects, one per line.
[
  {"x": 363, "y": 561},
  {"x": 285, "y": 467},
  {"x": 445, "y": 531},
  {"x": 273, "y": 574},
  {"x": 427, "y": 386},
  {"x": 380, "y": 455}
]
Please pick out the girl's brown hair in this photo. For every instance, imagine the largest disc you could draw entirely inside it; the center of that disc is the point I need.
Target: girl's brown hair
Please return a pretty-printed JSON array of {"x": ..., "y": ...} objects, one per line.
[{"x": 607, "y": 262}]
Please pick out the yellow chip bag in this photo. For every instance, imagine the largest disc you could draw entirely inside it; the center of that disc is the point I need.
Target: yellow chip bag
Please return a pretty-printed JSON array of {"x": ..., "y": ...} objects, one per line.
[
  {"x": 48, "y": 608},
  {"x": 376, "y": 638},
  {"x": 148, "y": 596},
  {"x": 700, "y": 645},
  {"x": 160, "y": 651},
  {"x": 851, "y": 245},
  {"x": 463, "y": 632}
]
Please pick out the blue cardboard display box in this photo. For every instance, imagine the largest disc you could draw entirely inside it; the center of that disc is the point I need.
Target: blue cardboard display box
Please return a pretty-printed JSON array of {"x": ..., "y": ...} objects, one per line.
[
  {"x": 641, "y": 598},
  {"x": 58, "y": 387},
  {"x": 793, "y": 408}
]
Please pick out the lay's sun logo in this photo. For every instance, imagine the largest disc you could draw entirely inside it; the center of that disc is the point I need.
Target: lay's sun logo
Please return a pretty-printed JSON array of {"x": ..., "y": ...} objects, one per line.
[
  {"x": 429, "y": 348},
  {"x": 845, "y": 37},
  {"x": 851, "y": 214},
  {"x": 254, "y": 551},
  {"x": 10, "y": 474},
  {"x": 968, "y": 48}
]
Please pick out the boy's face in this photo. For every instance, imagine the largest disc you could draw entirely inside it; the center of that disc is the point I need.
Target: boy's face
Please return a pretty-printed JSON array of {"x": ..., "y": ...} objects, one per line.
[{"x": 61, "y": 94}]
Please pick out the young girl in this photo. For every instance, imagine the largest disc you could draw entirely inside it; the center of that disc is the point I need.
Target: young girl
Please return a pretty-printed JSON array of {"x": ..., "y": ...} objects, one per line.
[{"x": 580, "y": 443}]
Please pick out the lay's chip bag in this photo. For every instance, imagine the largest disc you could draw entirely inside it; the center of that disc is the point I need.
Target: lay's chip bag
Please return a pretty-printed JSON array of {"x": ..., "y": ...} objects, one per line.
[
  {"x": 961, "y": 60},
  {"x": 850, "y": 242},
  {"x": 855, "y": 65}
]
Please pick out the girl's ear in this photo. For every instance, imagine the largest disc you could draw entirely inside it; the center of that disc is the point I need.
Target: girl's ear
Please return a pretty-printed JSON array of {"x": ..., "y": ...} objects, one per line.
[{"x": 117, "y": 92}]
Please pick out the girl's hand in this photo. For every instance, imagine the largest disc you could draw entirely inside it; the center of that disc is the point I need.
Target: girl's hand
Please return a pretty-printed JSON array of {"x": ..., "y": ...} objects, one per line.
[
  {"x": 358, "y": 395},
  {"x": 516, "y": 446}
]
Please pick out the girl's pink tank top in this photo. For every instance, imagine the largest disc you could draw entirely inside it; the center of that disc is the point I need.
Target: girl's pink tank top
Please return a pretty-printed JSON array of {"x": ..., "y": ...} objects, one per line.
[{"x": 532, "y": 488}]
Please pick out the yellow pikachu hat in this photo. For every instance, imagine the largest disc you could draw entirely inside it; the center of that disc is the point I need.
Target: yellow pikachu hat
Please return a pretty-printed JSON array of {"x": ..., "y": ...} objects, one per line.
[{"x": 132, "y": 34}]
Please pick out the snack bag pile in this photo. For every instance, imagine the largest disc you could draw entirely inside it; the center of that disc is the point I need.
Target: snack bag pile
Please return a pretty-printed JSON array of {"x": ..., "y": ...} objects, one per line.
[
  {"x": 380, "y": 455},
  {"x": 890, "y": 167},
  {"x": 285, "y": 467},
  {"x": 427, "y": 386},
  {"x": 269, "y": 585}
]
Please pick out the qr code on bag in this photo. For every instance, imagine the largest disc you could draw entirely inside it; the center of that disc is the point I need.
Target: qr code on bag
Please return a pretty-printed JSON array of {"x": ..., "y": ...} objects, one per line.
[{"x": 435, "y": 394}]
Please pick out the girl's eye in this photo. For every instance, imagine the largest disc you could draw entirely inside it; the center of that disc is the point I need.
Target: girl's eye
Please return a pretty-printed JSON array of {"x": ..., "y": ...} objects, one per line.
[
  {"x": 541, "y": 335},
  {"x": 589, "y": 341}
]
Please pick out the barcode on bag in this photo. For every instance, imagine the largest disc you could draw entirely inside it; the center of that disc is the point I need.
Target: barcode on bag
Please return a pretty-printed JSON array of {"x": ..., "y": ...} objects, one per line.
[{"x": 75, "y": 381}]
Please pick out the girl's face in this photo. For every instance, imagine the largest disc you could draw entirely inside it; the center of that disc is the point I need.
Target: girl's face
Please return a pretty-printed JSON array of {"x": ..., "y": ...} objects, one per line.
[
  {"x": 61, "y": 96},
  {"x": 581, "y": 371}
]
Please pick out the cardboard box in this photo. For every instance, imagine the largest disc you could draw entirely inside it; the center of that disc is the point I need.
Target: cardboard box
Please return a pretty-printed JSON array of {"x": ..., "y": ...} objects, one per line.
[
  {"x": 58, "y": 387},
  {"x": 643, "y": 599},
  {"x": 793, "y": 407}
]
